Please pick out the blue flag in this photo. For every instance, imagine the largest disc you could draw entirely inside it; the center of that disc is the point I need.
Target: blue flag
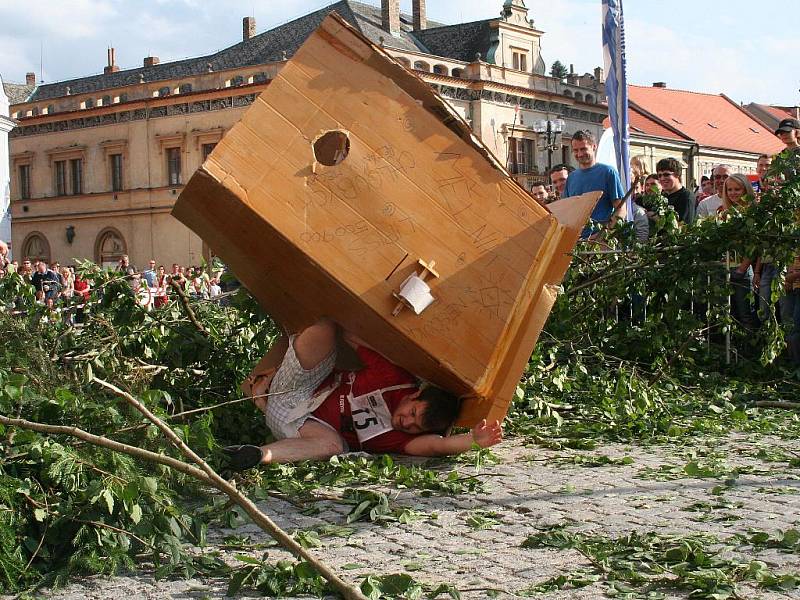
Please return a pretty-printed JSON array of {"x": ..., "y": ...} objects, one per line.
[{"x": 617, "y": 88}]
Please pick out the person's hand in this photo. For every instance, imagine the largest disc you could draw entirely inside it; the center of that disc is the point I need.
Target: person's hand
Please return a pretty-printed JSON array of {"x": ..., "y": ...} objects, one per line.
[
  {"x": 487, "y": 434},
  {"x": 256, "y": 386}
]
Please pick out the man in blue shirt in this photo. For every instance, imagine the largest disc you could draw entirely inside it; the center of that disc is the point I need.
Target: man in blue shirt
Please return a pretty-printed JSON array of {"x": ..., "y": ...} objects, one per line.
[{"x": 592, "y": 176}]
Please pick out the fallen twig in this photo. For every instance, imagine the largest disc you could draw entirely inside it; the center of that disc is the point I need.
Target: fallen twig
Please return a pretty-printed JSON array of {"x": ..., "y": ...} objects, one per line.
[{"x": 778, "y": 404}]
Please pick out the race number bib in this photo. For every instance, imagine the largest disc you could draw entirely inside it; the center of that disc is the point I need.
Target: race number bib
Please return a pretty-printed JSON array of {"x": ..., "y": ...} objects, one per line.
[{"x": 371, "y": 416}]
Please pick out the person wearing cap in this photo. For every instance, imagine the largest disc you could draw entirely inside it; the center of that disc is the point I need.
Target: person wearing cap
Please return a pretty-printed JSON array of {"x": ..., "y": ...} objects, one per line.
[{"x": 788, "y": 131}]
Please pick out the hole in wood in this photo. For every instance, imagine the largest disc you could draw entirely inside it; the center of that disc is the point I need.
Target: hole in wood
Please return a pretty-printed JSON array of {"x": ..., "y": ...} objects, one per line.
[{"x": 331, "y": 148}]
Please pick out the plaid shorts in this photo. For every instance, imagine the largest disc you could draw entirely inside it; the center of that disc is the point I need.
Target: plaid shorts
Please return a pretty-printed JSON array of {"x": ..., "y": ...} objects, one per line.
[{"x": 293, "y": 388}]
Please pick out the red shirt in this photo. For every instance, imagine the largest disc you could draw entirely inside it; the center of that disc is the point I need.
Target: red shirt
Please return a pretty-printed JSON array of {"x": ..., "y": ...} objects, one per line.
[
  {"x": 378, "y": 373},
  {"x": 82, "y": 288}
]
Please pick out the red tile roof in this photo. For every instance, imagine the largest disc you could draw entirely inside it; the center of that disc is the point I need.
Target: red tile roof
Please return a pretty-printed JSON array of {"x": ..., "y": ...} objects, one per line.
[
  {"x": 642, "y": 123},
  {"x": 712, "y": 120},
  {"x": 776, "y": 111}
]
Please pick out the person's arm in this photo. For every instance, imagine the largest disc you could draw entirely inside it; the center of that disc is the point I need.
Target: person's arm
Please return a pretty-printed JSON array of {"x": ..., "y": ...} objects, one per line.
[
  {"x": 746, "y": 262},
  {"x": 484, "y": 434},
  {"x": 757, "y": 273}
]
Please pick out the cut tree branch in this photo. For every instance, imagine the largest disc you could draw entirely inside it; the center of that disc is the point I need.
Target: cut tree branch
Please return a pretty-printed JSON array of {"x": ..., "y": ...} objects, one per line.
[
  {"x": 259, "y": 518},
  {"x": 187, "y": 307}
]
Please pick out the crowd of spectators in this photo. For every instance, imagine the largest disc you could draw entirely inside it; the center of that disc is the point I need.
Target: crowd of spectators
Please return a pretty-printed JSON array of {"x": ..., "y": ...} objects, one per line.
[
  {"x": 751, "y": 277},
  {"x": 61, "y": 290}
]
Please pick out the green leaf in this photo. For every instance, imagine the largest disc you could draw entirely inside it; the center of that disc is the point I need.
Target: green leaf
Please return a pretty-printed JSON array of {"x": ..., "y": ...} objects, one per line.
[
  {"x": 109, "y": 498},
  {"x": 136, "y": 513}
]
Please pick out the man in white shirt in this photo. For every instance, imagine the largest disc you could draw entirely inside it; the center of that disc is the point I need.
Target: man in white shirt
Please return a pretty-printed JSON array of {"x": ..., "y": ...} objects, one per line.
[{"x": 710, "y": 206}]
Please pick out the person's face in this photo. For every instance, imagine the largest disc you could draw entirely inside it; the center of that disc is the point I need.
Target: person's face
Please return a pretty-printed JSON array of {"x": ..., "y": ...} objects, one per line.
[
  {"x": 720, "y": 175},
  {"x": 182, "y": 270},
  {"x": 650, "y": 183},
  {"x": 124, "y": 261},
  {"x": 762, "y": 166},
  {"x": 408, "y": 415},
  {"x": 559, "y": 180},
  {"x": 161, "y": 270},
  {"x": 175, "y": 269},
  {"x": 584, "y": 153},
  {"x": 734, "y": 191},
  {"x": 152, "y": 264},
  {"x": 707, "y": 186},
  {"x": 669, "y": 181},
  {"x": 539, "y": 194},
  {"x": 788, "y": 137},
  {"x": 41, "y": 267},
  {"x": 26, "y": 264}
]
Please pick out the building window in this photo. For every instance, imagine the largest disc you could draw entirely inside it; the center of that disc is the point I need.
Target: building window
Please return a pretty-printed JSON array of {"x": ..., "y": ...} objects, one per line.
[
  {"x": 520, "y": 61},
  {"x": 260, "y": 77},
  {"x": 51, "y": 108},
  {"x": 60, "y": 177},
  {"x": 458, "y": 73},
  {"x": 109, "y": 247},
  {"x": 173, "y": 166},
  {"x": 208, "y": 149},
  {"x": 440, "y": 69},
  {"x": 76, "y": 172},
  {"x": 422, "y": 66},
  {"x": 116, "y": 172},
  {"x": 236, "y": 81},
  {"x": 24, "y": 182},
  {"x": 106, "y": 100},
  {"x": 36, "y": 247},
  {"x": 164, "y": 91},
  {"x": 521, "y": 153},
  {"x": 185, "y": 88}
]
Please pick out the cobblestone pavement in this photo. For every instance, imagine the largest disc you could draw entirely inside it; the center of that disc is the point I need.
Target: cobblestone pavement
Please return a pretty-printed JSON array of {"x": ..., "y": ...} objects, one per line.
[{"x": 529, "y": 489}]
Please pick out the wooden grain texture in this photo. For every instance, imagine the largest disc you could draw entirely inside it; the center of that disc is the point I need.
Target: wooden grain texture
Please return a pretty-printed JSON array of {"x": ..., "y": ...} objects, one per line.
[{"x": 311, "y": 240}]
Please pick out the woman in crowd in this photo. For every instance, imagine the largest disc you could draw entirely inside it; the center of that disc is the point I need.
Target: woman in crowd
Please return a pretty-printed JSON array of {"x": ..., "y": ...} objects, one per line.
[
  {"x": 162, "y": 283},
  {"x": 737, "y": 192}
]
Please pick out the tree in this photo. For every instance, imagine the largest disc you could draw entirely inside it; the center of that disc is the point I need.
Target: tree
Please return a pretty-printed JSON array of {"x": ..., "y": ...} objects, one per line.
[{"x": 558, "y": 70}]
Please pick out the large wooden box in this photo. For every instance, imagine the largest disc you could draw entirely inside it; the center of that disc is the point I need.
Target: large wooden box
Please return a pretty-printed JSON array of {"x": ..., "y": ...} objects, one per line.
[{"x": 414, "y": 183}]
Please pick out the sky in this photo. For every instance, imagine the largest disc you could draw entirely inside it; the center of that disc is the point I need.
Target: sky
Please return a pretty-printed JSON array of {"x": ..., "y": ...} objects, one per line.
[{"x": 736, "y": 47}]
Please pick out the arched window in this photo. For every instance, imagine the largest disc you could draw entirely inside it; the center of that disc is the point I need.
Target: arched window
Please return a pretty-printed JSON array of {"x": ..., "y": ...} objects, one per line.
[
  {"x": 88, "y": 103},
  {"x": 236, "y": 81},
  {"x": 260, "y": 77},
  {"x": 405, "y": 61},
  {"x": 109, "y": 247},
  {"x": 36, "y": 247},
  {"x": 164, "y": 91},
  {"x": 568, "y": 93},
  {"x": 458, "y": 72},
  {"x": 123, "y": 97},
  {"x": 589, "y": 98},
  {"x": 185, "y": 88},
  {"x": 51, "y": 108},
  {"x": 440, "y": 69},
  {"x": 421, "y": 65},
  {"x": 35, "y": 111},
  {"x": 106, "y": 100},
  {"x": 578, "y": 96}
]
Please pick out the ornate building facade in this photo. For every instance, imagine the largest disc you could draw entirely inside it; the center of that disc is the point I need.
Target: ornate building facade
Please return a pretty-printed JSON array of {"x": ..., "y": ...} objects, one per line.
[
  {"x": 6, "y": 125},
  {"x": 97, "y": 162}
]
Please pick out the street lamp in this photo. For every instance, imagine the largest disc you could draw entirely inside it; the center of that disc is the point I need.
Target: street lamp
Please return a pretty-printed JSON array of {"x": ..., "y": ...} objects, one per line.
[{"x": 553, "y": 130}]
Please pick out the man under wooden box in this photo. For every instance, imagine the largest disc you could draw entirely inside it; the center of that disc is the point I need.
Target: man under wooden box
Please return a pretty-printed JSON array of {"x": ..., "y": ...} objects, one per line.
[{"x": 332, "y": 393}]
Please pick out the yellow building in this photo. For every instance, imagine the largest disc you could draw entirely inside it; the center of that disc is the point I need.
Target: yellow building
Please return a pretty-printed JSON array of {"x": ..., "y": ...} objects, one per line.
[{"x": 97, "y": 162}]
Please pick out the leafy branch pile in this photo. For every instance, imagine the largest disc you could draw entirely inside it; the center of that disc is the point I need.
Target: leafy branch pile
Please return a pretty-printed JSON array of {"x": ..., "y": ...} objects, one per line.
[
  {"x": 635, "y": 346},
  {"x": 646, "y": 565},
  {"x": 604, "y": 369}
]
